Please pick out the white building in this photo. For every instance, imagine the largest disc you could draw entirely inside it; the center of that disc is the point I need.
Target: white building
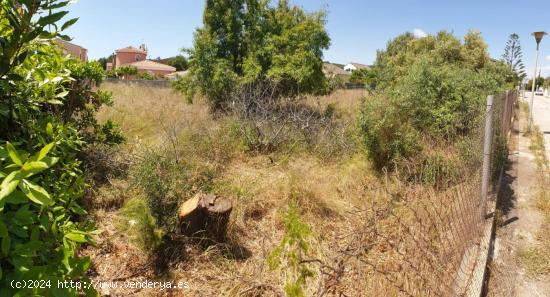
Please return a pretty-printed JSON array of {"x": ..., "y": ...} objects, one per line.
[{"x": 355, "y": 66}]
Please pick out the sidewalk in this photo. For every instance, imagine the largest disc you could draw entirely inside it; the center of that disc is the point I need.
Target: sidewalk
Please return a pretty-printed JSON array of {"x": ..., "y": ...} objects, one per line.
[
  {"x": 541, "y": 117},
  {"x": 518, "y": 220}
]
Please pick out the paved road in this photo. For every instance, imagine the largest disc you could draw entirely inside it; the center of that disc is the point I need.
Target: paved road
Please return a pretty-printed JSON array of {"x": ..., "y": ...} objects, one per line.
[{"x": 541, "y": 117}]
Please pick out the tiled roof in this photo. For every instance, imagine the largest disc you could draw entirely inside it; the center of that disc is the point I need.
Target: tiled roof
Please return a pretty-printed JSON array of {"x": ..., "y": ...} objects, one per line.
[
  {"x": 151, "y": 65},
  {"x": 131, "y": 49}
]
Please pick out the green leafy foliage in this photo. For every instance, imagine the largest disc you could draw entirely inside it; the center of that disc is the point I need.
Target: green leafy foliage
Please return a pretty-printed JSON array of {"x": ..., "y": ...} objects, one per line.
[
  {"x": 386, "y": 136},
  {"x": 366, "y": 76},
  {"x": 47, "y": 117},
  {"x": 434, "y": 86},
  {"x": 539, "y": 82},
  {"x": 243, "y": 42},
  {"x": 37, "y": 201},
  {"x": 166, "y": 182},
  {"x": 104, "y": 60},
  {"x": 291, "y": 252},
  {"x": 179, "y": 62},
  {"x": 137, "y": 221},
  {"x": 123, "y": 72},
  {"x": 146, "y": 76}
]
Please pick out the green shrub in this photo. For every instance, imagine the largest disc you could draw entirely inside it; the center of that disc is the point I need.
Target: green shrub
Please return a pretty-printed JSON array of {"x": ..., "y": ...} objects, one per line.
[
  {"x": 435, "y": 87},
  {"x": 438, "y": 170},
  {"x": 137, "y": 221},
  {"x": 366, "y": 76},
  {"x": 146, "y": 76},
  {"x": 167, "y": 181},
  {"x": 47, "y": 117},
  {"x": 291, "y": 252},
  {"x": 122, "y": 72},
  {"x": 386, "y": 134}
]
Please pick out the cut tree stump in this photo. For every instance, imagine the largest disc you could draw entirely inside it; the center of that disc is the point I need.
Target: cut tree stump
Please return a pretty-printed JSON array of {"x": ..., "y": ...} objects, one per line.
[{"x": 205, "y": 215}]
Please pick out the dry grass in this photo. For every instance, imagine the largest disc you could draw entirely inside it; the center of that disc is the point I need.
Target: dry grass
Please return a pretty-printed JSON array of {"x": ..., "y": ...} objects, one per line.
[
  {"x": 146, "y": 114},
  {"x": 362, "y": 224},
  {"x": 537, "y": 258},
  {"x": 260, "y": 186},
  {"x": 347, "y": 102}
]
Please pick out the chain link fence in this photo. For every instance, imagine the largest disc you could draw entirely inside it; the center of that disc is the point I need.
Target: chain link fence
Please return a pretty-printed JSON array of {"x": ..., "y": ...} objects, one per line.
[{"x": 414, "y": 240}]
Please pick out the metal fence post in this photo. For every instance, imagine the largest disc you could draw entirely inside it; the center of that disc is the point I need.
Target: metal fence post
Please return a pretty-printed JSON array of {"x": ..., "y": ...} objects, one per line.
[
  {"x": 505, "y": 120},
  {"x": 488, "y": 139}
]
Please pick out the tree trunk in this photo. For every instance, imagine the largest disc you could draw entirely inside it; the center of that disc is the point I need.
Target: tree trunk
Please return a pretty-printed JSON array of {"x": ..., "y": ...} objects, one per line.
[{"x": 205, "y": 215}]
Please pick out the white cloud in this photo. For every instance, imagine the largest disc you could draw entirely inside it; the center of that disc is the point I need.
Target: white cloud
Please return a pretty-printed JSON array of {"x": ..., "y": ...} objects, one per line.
[
  {"x": 544, "y": 71},
  {"x": 548, "y": 58},
  {"x": 419, "y": 33}
]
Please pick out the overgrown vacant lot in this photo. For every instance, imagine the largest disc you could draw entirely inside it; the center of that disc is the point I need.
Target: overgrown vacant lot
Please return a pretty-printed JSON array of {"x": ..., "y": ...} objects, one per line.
[{"x": 326, "y": 183}]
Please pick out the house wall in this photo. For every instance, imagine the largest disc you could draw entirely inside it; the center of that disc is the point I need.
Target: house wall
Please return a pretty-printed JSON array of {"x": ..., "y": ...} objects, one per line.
[
  {"x": 127, "y": 58},
  {"x": 74, "y": 50}
]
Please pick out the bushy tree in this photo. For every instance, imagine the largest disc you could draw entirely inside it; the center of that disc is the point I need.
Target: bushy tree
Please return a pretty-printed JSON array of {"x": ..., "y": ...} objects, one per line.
[
  {"x": 179, "y": 62},
  {"x": 513, "y": 57},
  {"x": 246, "y": 41},
  {"x": 103, "y": 61},
  {"x": 366, "y": 76},
  {"x": 538, "y": 83},
  {"x": 433, "y": 86},
  {"x": 474, "y": 51}
]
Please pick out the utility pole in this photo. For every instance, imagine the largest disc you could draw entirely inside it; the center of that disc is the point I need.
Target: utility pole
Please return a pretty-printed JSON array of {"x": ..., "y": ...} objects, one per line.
[{"x": 538, "y": 38}]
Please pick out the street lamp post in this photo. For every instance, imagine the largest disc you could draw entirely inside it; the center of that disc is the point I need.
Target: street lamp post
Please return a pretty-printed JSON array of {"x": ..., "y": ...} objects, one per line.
[{"x": 538, "y": 38}]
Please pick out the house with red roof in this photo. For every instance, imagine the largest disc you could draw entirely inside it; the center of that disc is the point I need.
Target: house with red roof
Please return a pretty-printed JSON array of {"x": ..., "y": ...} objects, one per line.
[{"x": 137, "y": 57}]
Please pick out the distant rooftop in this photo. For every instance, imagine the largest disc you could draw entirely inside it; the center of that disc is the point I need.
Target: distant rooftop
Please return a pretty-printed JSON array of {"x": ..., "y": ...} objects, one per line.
[
  {"x": 151, "y": 65},
  {"x": 131, "y": 49}
]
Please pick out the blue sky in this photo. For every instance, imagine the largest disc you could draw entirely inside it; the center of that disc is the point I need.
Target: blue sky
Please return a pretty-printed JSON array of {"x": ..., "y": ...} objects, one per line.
[{"x": 357, "y": 27}]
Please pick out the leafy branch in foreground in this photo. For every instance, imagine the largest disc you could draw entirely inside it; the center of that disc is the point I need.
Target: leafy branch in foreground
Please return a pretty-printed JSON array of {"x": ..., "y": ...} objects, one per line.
[
  {"x": 47, "y": 119},
  {"x": 39, "y": 240}
]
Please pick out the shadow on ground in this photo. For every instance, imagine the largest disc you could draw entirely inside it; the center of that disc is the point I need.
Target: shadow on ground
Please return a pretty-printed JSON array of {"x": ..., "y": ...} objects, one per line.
[
  {"x": 173, "y": 251},
  {"x": 507, "y": 198}
]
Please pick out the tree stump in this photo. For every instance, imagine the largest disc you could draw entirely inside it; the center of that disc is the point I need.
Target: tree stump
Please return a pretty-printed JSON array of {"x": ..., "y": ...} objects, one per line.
[{"x": 205, "y": 215}]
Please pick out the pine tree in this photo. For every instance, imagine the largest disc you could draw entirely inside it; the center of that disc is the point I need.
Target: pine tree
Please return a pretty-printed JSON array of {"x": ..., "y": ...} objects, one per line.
[{"x": 513, "y": 57}]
